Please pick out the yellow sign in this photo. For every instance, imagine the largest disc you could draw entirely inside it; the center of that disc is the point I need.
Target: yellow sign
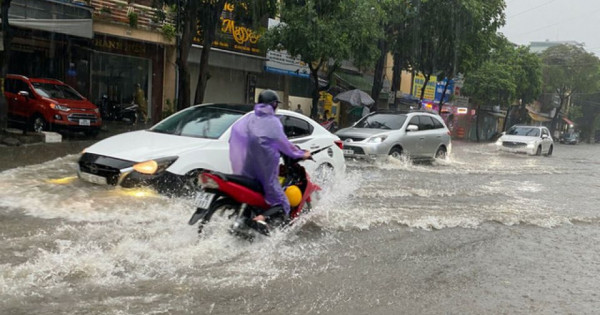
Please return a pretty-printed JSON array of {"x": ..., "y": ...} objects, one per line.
[{"x": 429, "y": 90}]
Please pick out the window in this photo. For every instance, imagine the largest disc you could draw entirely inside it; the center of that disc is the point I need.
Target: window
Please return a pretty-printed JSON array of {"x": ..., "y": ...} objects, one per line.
[
  {"x": 201, "y": 122},
  {"x": 57, "y": 91},
  {"x": 415, "y": 121},
  {"x": 524, "y": 131},
  {"x": 545, "y": 132},
  {"x": 294, "y": 127},
  {"x": 382, "y": 121},
  {"x": 22, "y": 86},
  {"x": 10, "y": 86},
  {"x": 426, "y": 123},
  {"x": 437, "y": 123}
]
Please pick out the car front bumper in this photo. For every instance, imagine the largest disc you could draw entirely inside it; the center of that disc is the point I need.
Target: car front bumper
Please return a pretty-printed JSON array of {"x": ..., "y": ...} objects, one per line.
[
  {"x": 104, "y": 170},
  {"x": 522, "y": 150},
  {"x": 365, "y": 150}
]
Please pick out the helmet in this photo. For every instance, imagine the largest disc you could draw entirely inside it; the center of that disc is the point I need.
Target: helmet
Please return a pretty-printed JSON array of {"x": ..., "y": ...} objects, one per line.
[
  {"x": 294, "y": 195},
  {"x": 268, "y": 97}
]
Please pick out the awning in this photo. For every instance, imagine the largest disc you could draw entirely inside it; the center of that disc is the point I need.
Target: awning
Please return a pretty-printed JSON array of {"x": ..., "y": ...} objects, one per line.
[
  {"x": 79, "y": 27},
  {"x": 63, "y": 17},
  {"x": 538, "y": 117},
  {"x": 570, "y": 123}
]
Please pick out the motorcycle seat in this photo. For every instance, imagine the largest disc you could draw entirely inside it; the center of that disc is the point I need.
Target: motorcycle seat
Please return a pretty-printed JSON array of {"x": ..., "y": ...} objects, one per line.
[{"x": 244, "y": 181}]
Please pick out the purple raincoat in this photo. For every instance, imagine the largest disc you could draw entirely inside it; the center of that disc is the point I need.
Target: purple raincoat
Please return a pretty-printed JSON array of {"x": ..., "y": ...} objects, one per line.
[{"x": 254, "y": 151}]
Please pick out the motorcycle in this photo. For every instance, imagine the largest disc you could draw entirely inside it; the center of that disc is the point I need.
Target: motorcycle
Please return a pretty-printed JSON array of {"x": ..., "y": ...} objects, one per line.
[
  {"x": 330, "y": 125},
  {"x": 118, "y": 112},
  {"x": 240, "y": 199}
]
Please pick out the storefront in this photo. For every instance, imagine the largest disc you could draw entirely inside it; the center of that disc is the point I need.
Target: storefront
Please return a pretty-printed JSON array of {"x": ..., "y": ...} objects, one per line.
[
  {"x": 121, "y": 67},
  {"x": 51, "y": 40}
]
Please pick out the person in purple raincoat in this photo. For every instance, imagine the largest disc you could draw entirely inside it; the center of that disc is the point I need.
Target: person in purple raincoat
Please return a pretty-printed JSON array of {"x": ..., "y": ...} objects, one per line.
[{"x": 254, "y": 151}]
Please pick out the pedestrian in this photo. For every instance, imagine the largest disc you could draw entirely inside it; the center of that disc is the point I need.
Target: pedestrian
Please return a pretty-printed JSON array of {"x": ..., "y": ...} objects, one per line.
[
  {"x": 366, "y": 110},
  {"x": 140, "y": 99},
  {"x": 299, "y": 110}
]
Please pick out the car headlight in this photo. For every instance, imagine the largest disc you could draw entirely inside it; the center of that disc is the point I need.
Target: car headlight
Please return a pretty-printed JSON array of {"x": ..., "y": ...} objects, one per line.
[
  {"x": 96, "y": 110},
  {"x": 59, "y": 107},
  {"x": 531, "y": 145},
  {"x": 151, "y": 167},
  {"x": 499, "y": 142},
  {"x": 376, "y": 139}
]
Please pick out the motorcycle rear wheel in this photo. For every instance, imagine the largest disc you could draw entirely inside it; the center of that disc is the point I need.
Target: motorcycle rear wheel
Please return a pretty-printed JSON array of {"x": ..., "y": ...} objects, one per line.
[{"x": 224, "y": 207}]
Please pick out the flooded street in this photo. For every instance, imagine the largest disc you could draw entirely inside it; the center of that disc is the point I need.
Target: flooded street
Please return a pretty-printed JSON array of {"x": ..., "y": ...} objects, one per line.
[{"x": 484, "y": 232}]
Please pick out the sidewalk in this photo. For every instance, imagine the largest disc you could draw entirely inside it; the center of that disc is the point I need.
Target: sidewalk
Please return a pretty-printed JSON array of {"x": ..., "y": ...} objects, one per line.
[{"x": 33, "y": 150}]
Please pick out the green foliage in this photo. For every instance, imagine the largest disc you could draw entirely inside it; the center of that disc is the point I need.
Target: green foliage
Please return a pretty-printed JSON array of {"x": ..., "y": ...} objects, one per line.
[
  {"x": 569, "y": 69},
  {"x": 168, "y": 31},
  {"x": 322, "y": 30},
  {"x": 133, "y": 19},
  {"x": 492, "y": 84}
]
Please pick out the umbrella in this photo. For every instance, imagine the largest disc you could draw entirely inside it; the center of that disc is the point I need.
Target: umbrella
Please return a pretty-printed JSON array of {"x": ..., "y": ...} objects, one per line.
[{"x": 355, "y": 97}]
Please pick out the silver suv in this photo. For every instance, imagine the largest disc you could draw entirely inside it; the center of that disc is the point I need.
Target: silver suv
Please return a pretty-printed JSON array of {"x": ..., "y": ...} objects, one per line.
[{"x": 418, "y": 135}]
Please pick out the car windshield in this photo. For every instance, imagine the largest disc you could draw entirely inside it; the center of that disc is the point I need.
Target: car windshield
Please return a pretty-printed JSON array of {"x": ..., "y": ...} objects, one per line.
[
  {"x": 524, "y": 131},
  {"x": 56, "y": 91},
  {"x": 201, "y": 122},
  {"x": 382, "y": 121}
]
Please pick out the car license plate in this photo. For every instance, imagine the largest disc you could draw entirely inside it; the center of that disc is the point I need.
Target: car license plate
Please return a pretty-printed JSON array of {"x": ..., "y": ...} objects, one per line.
[
  {"x": 84, "y": 122},
  {"x": 348, "y": 151},
  {"x": 94, "y": 179},
  {"x": 203, "y": 199}
]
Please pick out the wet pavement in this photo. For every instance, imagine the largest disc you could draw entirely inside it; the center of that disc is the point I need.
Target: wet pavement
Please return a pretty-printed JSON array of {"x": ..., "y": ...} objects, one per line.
[
  {"x": 34, "y": 151},
  {"x": 484, "y": 232}
]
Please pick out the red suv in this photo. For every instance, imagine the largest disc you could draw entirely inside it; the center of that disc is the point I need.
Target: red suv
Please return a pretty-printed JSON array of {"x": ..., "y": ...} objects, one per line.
[{"x": 48, "y": 104}]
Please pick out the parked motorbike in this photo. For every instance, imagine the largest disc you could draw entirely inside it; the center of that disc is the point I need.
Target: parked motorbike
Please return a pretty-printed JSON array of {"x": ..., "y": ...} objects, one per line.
[
  {"x": 111, "y": 110},
  {"x": 240, "y": 199},
  {"x": 330, "y": 125}
]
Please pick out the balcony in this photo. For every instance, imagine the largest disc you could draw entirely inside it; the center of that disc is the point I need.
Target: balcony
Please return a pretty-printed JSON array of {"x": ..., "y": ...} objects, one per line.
[{"x": 128, "y": 13}]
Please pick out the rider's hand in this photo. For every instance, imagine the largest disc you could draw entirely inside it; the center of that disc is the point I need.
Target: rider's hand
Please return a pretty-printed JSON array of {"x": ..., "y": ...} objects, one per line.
[{"x": 307, "y": 155}]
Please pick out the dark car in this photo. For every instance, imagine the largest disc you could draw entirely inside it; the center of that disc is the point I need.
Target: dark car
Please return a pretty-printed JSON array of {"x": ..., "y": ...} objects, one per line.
[
  {"x": 569, "y": 138},
  {"x": 49, "y": 104}
]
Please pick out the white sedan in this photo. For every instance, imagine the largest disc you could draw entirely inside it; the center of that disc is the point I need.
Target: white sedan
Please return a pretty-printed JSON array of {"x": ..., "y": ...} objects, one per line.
[
  {"x": 170, "y": 155},
  {"x": 532, "y": 140}
]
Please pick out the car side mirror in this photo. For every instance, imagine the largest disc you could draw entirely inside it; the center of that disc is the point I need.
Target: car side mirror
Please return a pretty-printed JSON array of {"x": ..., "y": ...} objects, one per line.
[
  {"x": 23, "y": 93},
  {"x": 544, "y": 136},
  {"x": 412, "y": 128}
]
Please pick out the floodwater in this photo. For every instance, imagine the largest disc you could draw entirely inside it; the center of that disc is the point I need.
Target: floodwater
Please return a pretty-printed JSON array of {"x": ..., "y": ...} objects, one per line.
[{"x": 483, "y": 232}]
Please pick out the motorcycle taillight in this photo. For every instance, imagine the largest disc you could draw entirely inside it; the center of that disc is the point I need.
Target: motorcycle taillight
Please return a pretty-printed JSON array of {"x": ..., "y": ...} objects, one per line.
[{"x": 207, "y": 182}]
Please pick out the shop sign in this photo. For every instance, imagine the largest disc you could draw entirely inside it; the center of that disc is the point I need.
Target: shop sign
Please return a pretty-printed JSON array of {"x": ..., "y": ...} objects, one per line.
[
  {"x": 429, "y": 90},
  {"x": 279, "y": 61},
  {"x": 115, "y": 45},
  {"x": 439, "y": 89},
  {"x": 233, "y": 36}
]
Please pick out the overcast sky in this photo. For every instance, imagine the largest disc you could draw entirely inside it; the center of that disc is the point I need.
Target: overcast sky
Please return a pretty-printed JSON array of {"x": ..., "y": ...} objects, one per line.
[{"x": 554, "y": 20}]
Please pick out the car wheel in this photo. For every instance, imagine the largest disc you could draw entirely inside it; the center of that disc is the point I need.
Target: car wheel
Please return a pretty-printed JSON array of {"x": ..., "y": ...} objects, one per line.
[
  {"x": 550, "y": 150},
  {"x": 539, "y": 150},
  {"x": 396, "y": 152},
  {"x": 38, "y": 123},
  {"x": 441, "y": 153}
]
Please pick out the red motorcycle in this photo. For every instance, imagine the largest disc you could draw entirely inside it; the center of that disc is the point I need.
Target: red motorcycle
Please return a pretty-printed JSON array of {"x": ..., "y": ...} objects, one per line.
[{"x": 240, "y": 199}]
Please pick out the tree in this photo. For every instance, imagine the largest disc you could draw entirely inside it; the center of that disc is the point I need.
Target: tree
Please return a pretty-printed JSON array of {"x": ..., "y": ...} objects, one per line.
[
  {"x": 4, "y": 60},
  {"x": 203, "y": 16},
  {"x": 459, "y": 38},
  {"x": 394, "y": 22},
  {"x": 493, "y": 83},
  {"x": 568, "y": 69},
  {"x": 323, "y": 33},
  {"x": 586, "y": 112}
]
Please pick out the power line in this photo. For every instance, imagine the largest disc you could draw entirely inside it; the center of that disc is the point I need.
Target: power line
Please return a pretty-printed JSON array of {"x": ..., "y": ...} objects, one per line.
[
  {"x": 531, "y": 9},
  {"x": 557, "y": 23}
]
